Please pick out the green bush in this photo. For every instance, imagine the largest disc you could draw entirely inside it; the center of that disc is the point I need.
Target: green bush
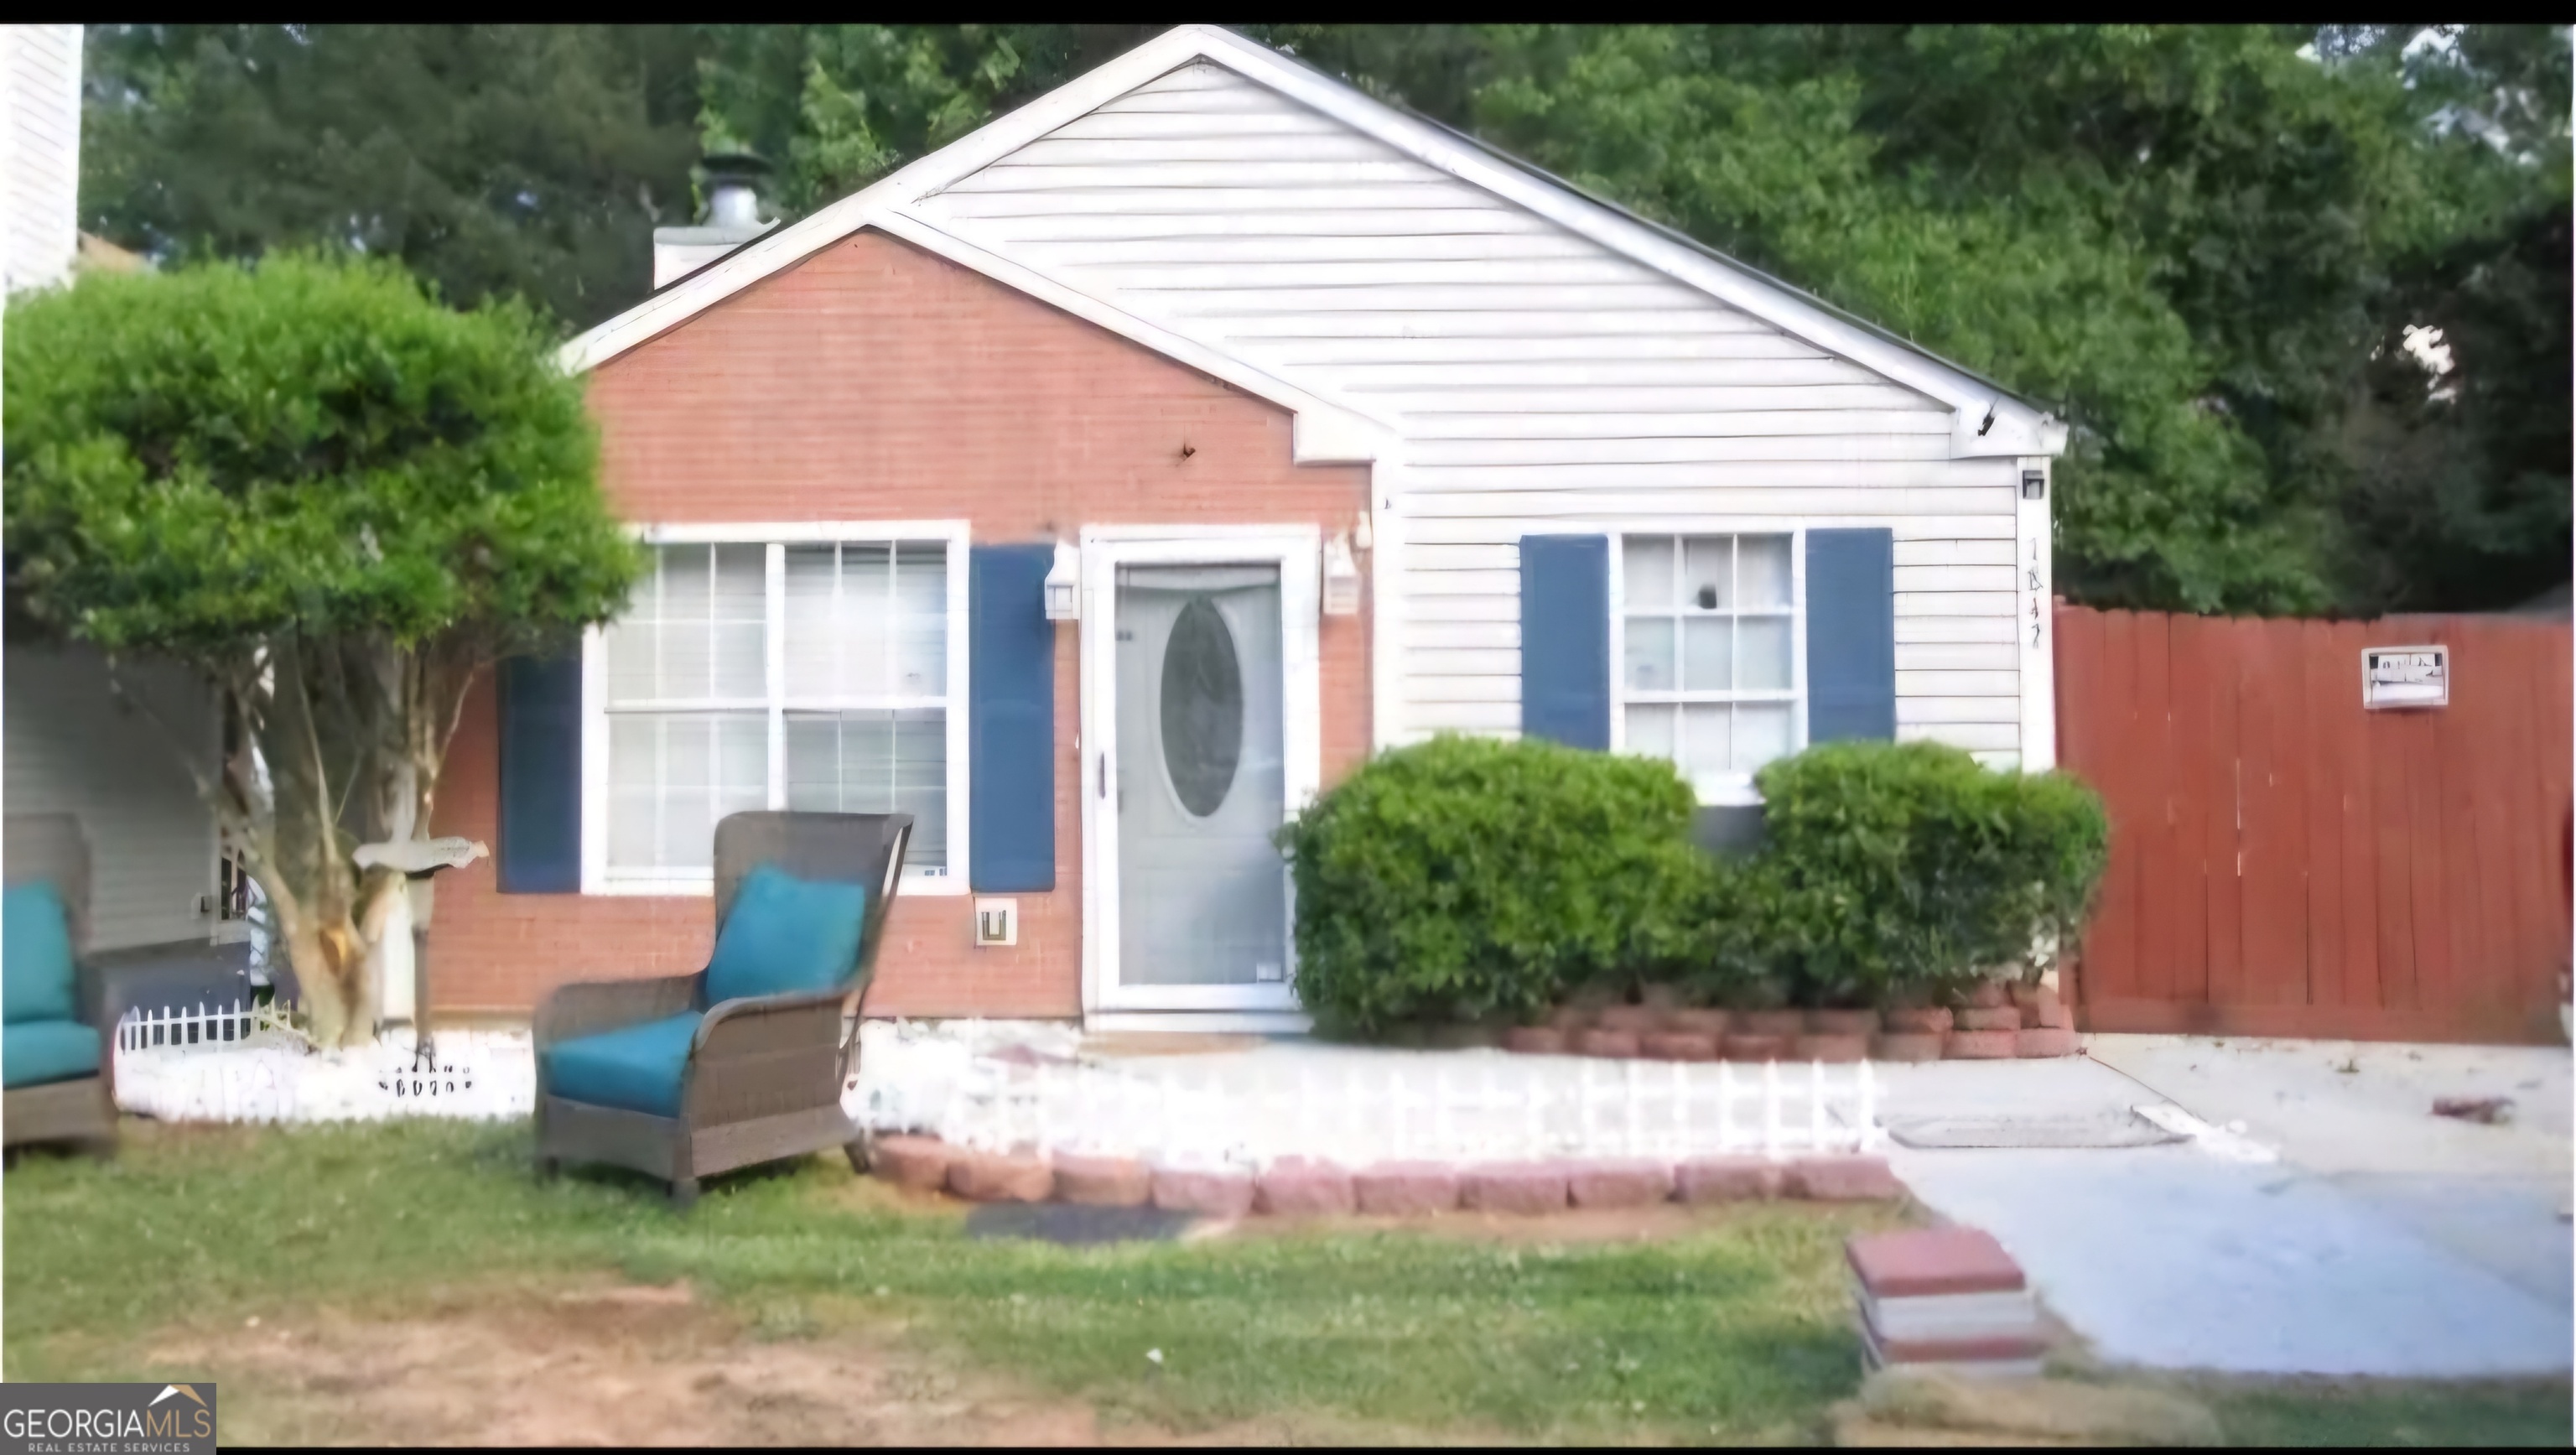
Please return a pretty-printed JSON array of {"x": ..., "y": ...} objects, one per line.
[
  {"x": 1467, "y": 877},
  {"x": 1896, "y": 869}
]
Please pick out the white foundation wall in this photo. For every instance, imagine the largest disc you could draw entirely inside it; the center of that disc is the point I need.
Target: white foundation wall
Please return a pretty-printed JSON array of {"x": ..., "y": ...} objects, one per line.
[
  {"x": 71, "y": 748},
  {"x": 1536, "y": 382}
]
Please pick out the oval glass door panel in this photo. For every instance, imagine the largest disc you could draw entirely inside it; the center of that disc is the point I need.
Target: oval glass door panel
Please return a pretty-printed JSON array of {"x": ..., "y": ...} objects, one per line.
[{"x": 1202, "y": 708}]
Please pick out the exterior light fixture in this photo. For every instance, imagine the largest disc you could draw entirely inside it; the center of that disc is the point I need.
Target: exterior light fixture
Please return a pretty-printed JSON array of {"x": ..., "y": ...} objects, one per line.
[
  {"x": 1341, "y": 578},
  {"x": 1064, "y": 585},
  {"x": 2034, "y": 485}
]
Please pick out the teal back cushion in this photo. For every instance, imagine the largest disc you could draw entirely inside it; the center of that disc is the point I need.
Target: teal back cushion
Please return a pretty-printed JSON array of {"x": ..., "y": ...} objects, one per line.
[
  {"x": 786, "y": 935},
  {"x": 36, "y": 976}
]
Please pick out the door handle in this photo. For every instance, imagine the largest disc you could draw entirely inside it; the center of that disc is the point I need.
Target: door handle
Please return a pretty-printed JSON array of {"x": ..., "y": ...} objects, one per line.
[{"x": 1104, "y": 775}]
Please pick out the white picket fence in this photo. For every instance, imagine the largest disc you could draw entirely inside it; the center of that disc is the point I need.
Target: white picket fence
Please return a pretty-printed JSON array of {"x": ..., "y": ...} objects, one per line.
[
  {"x": 1508, "y": 1109},
  {"x": 204, "y": 1028}
]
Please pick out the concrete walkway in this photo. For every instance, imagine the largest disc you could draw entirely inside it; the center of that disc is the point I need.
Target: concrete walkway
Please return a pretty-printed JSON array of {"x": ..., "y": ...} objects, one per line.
[{"x": 2378, "y": 1240}]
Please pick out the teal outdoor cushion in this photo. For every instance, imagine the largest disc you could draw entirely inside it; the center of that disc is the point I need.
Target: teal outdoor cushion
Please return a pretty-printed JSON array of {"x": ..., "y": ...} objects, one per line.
[
  {"x": 33, "y": 1053},
  {"x": 636, "y": 1068},
  {"x": 37, "y": 980},
  {"x": 786, "y": 935}
]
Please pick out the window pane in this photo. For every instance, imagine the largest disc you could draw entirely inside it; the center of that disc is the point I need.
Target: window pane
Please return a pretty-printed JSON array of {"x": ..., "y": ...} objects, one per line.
[
  {"x": 1762, "y": 653},
  {"x": 875, "y": 762},
  {"x": 862, "y": 623},
  {"x": 1762, "y": 571},
  {"x": 1707, "y": 653},
  {"x": 697, "y": 629},
  {"x": 672, "y": 776},
  {"x": 1647, "y": 564},
  {"x": 1650, "y": 730},
  {"x": 813, "y": 659},
  {"x": 1761, "y": 734},
  {"x": 920, "y": 622},
  {"x": 1649, "y": 654},
  {"x": 1704, "y": 742},
  {"x": 1708, "y": 572}
]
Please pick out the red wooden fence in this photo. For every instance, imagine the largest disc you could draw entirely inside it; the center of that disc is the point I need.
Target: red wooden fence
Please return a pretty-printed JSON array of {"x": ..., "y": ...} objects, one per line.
[{"x": 2285, "y": 862}]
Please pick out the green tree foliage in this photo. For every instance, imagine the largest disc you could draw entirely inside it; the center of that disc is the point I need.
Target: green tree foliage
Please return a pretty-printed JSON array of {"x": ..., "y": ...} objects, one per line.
[
  {"x": 337, "y": 499},
  {"x": 493, "y": 159}
]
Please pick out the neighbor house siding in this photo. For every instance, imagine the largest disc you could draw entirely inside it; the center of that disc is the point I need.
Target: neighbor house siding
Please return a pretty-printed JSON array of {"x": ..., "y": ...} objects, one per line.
[
  {"x": 40, "y": 69},
  {"x": 876, "y": 382},
  {"x": 71, "y": 747},
  {"x": 1535, "y": 382}
]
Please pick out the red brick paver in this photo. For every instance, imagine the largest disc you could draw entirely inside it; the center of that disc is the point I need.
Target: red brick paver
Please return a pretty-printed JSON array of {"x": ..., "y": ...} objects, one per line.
[
  {"x": 1522, "y": 1188},
  {"x": 1214, "y": 1193},
  {"x": 1296, "y": 1187},
  {"x": 1405, "y": 1189},
  {"x": 1727, "y": 1179},
  {"x": 916, "y": 1162},
  {"x": 1841, "y": 1179},
  {"x": 1102, "y": 1181},
  {"x": 994, "y": 1177},
  {"x": 1630, "y": 1183}
]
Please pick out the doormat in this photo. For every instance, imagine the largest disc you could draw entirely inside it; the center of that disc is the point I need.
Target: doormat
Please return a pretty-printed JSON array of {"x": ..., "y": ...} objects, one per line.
[
  {"x": 1074, "y": 1225},
  {"x": 2103, "y": 1129}
]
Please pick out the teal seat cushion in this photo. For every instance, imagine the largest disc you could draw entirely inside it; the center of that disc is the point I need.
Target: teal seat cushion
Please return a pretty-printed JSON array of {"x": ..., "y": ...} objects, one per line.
[
  {"x": 37, "y": 981},
  {"x": 785, "y": 935},
  {"x": 33, "y": 1053},
  {"x": 636, "y": 1068}
]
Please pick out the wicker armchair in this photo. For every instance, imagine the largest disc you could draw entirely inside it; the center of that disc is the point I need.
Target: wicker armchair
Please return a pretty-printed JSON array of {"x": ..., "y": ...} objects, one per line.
[
  {"x": 763, "y": 1075},
  {"x": 81, "y": 1110}
]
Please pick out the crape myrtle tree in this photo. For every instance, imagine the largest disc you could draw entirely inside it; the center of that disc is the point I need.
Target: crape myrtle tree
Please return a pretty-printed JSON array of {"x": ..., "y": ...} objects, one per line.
[{"x": 340, "y": 501}]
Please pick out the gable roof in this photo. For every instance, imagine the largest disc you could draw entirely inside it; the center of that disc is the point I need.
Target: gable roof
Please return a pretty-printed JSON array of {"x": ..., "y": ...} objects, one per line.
[{"x": 1988, "y": 420}]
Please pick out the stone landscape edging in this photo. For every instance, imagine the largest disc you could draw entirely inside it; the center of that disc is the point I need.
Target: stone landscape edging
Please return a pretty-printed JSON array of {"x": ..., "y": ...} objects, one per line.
[{"x": 1304, "y": 1187}]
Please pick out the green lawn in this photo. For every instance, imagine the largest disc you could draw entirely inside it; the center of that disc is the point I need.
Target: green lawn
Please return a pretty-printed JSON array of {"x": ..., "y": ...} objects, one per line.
[{"x": 1732, "y": 1330}]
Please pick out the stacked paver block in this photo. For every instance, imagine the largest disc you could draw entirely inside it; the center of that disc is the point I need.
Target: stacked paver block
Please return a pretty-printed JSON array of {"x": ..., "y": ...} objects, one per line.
[{"x": 1944, "y": 1299}]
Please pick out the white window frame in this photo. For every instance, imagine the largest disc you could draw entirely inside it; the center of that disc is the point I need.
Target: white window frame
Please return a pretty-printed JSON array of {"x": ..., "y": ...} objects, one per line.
[
  {"x": 1738, "y": 787},
  {"x": 596, "y": 877}
]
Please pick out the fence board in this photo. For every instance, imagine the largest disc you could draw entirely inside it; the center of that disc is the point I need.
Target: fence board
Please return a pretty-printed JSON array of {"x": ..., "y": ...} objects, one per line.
[
  {"x": 2286, "y": 862},
  {"x": 2355, "y": 780},
  {"x": 2187, "y": 641},
  {"x": 2223, "y": 855},
  {"x": 2276, "y": 900},
  {"x": 2322, "y": 801},
  {"x": 2151, "y": 736}
]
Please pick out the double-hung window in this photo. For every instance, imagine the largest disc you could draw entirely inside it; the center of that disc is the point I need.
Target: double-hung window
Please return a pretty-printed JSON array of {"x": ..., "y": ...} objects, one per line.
[
  {"x": 1710, "y": 674},
  {"x": 817, "y": 671}
]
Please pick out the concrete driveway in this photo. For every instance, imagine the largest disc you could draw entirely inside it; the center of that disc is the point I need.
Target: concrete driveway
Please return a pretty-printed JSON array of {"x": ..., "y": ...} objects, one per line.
[{"x": 2323, "y": 1222}]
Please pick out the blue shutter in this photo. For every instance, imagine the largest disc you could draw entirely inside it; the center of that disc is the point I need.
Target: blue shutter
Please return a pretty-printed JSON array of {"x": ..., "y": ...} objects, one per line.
[
  {"x": 1565, "y": 639},
  {"x": 1851, "y": 634},
  {"x": 541, "y": 774},
  {"x": 1010, "y": 722}
]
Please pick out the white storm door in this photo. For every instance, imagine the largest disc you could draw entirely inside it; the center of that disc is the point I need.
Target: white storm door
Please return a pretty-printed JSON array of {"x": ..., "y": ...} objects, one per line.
[{"x": 1199, "y": 741}]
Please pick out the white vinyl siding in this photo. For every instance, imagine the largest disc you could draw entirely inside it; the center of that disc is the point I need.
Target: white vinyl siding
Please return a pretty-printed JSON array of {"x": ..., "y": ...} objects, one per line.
[
  {"x": 1535, "y": 381},
  {"x": 73, "y": 748},
  {"x": 40, "y": 67},
  {"x": 810, "y": 674}
]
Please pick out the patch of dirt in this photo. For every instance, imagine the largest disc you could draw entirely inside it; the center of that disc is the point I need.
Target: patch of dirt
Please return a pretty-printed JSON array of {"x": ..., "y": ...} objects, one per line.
[{"x": 604, "y": 1365}]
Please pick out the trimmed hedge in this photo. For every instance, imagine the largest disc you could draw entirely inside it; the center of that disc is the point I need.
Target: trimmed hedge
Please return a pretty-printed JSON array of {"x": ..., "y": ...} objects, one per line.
[
  {"x": 1468, "y": 878},
  {"x": 1898, "y": 869},
  {"x": 1463, "y": 878}
]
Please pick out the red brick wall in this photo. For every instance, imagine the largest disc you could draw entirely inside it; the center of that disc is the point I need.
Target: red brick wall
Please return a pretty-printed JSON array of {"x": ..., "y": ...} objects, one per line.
[{"x": 878, "y": 382}]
